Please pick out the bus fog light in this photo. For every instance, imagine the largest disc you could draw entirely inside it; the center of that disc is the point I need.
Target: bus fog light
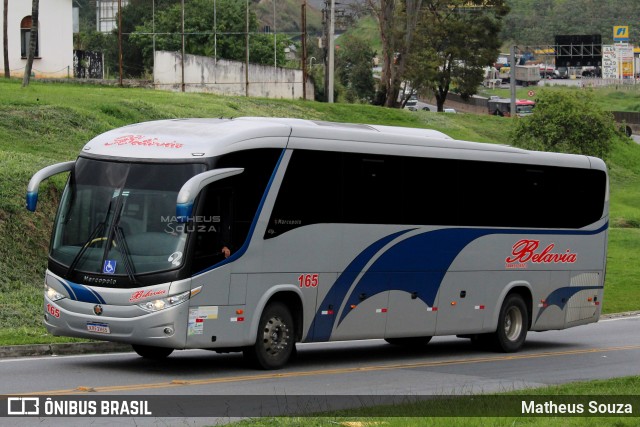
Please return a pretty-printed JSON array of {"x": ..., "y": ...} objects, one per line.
[{"x": 161, "y": 304}]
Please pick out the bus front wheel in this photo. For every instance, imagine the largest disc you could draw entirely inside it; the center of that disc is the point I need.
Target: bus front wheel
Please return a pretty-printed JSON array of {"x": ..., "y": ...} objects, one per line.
[
  {"x": 513, "y": 323},
  {"x": 275, "y": 341},
  {"x": 150, "y": 352}
]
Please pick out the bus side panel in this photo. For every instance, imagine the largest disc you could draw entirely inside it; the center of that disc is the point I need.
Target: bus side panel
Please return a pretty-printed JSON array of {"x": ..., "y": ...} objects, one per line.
[
  {"x": 212, "y": 319},
  {"x": 409, "y": 315},
  {"x": 464, "y": 298},
  {"x": 364, "y": 320},
  {"x": 557, "y": 266}
]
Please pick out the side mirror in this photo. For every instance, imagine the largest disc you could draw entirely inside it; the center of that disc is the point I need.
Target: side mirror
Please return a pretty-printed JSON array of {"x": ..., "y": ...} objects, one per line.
[
  {"x": 41, "y": 175},
  {"x": 191, "y": 189}
]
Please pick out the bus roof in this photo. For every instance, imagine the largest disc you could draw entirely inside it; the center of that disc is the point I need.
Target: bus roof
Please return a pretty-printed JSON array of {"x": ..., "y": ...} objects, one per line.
[{"x": 203, "y": 138}]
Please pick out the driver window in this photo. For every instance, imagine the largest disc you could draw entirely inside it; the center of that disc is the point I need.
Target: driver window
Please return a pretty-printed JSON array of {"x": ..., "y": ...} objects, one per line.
[{"x": 213, "y": 227}]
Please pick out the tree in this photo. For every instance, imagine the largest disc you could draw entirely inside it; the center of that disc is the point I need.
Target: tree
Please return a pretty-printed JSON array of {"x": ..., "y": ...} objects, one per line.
[
  {"x": 33, "y": 40},
  {"x": 397, "y": 20},
  {"x": 199, "y": 26},
  {"x": 5, "y": 39},
  {"x": 567, "y": 122},
  {"x": 353, "y": 63},
  {"x": 461, "y": 38}
]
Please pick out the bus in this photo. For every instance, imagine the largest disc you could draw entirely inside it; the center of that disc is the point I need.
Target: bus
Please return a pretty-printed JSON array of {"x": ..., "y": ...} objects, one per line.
[{"x": 255, "y": 234}]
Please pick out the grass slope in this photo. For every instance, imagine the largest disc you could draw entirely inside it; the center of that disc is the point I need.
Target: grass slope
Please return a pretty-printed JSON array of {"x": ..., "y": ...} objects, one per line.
[
  {"x": 413, "y": 414},
  {"x": 49, "y": 123}
]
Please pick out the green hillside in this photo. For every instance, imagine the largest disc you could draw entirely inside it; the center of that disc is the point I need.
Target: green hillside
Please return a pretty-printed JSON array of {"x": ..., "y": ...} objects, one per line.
[{"x": 48, "y": 123}]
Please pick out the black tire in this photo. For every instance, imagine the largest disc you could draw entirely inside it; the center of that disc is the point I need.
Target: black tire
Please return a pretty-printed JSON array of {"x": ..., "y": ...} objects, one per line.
[
  {"x": 513, "y": 323},
  {"x": 150, "y": 352},
  {"x": 275, "y": 342},
  {"x": 409, "y": 342}
]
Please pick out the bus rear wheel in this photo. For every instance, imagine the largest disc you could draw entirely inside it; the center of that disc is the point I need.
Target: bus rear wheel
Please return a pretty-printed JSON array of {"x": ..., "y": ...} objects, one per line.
[
  {"x": 409, "y": 341},
  {"x": 151, "y": 352},
  {"x": 275, "y": 341},
  {"x": 513, "y": 323}
]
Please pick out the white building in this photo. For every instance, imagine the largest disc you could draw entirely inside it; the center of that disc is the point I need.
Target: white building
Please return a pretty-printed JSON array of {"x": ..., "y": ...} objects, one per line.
[{"x": 54, "y": 53}]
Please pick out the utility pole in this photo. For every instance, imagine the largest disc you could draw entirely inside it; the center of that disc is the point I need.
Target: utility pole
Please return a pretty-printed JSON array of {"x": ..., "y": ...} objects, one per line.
[
  {"x": 5, "y": 39},
  {"x": 332, "y": 29},
  {"x": 215, "y": 33},
  {"x": 120, "y": 41},
  {"x": 182, "y": 55},
  {"x": 304, "y": 49},
  {"x": 246, "y": 54},
  {"x": 512, "y": 81},
  {"x": 153, "y": 26}
]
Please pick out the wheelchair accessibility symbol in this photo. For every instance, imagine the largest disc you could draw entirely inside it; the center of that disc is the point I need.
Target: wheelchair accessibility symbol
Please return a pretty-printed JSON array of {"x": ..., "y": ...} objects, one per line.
[{"x": 109, "y": 267}]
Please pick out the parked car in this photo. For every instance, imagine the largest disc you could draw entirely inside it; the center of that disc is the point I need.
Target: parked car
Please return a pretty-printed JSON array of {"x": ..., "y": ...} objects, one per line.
[{"x": 449, "y": 110}]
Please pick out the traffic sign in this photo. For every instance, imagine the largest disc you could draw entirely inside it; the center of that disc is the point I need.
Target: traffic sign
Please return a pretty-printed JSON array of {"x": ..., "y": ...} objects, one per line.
[{"x": 531, "y": 94}]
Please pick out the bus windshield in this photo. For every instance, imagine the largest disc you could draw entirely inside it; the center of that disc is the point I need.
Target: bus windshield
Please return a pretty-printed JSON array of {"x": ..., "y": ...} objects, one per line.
[{"x": 119, "y": 218}]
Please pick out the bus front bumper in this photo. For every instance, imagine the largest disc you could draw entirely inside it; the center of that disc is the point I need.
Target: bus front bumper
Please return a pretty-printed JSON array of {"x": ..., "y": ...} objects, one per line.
[{"x": 125, "y": 324}]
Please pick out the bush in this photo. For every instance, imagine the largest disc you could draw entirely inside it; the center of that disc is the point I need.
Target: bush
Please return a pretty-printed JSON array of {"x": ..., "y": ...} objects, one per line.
[{"x": 567, "y": 122}]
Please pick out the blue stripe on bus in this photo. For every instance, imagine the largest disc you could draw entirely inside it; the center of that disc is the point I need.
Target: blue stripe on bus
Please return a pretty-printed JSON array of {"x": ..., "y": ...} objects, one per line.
[
  {"x": 560, "y": 297},
  {"x": 245, "y": 245},
  {"x": 81, "y": 293},
  {"x": 422, "y": 260},
  {"x": 322, "y": 325},
  {"x": 64, "y": 284}
]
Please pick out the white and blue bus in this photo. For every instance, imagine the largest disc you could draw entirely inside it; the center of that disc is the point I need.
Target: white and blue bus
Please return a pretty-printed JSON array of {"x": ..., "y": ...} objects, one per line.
[{"x": 254, "y": 234}]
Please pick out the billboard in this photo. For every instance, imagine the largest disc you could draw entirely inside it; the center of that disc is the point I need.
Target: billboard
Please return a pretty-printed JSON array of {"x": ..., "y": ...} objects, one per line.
[
  {"x": 578, "y": 50},
  {"x": 609, "y": 62}
]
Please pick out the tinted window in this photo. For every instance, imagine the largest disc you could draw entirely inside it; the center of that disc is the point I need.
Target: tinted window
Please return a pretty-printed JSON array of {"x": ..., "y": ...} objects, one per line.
[
  {"x": 310, "y": 192},
  {"x": 428, "y": 191},
  {"x": 371, "y": 189},
  {"x": 321, "y": 187}
]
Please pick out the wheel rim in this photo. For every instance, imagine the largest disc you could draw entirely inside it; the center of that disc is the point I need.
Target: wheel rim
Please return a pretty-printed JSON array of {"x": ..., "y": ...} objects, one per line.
[
  {"x": 513, "y": 324},
  {"x": 275, "y": 337}
]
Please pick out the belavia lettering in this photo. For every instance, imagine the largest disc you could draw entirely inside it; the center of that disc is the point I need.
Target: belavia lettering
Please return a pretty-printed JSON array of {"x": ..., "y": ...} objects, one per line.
[
  {"x": 138, "y": 295},
  {"x": 142, "y": 141},
  {"x": 527, "y": 251}
]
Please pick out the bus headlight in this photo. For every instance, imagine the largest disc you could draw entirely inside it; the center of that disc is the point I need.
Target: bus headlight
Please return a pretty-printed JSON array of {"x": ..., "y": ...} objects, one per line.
[
  {"x": 52, "y": 294},
  {"x": 162, "y": 303}
]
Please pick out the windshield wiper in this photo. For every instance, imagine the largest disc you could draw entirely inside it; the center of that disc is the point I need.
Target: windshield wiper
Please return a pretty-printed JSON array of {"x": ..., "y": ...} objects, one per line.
[
  {"x": 118, "y": 233},
  {"x": 96, "y": 231},
  {"x": 126, "y": 255}
]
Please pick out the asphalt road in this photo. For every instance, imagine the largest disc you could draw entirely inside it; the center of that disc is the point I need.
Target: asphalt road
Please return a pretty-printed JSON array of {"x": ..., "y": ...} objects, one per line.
[{"x": 610, "y": 348}]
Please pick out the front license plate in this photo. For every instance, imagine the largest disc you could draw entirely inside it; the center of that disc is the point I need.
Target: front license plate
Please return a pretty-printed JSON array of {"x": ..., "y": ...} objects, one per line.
[{"x": 101, "y": 328}]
